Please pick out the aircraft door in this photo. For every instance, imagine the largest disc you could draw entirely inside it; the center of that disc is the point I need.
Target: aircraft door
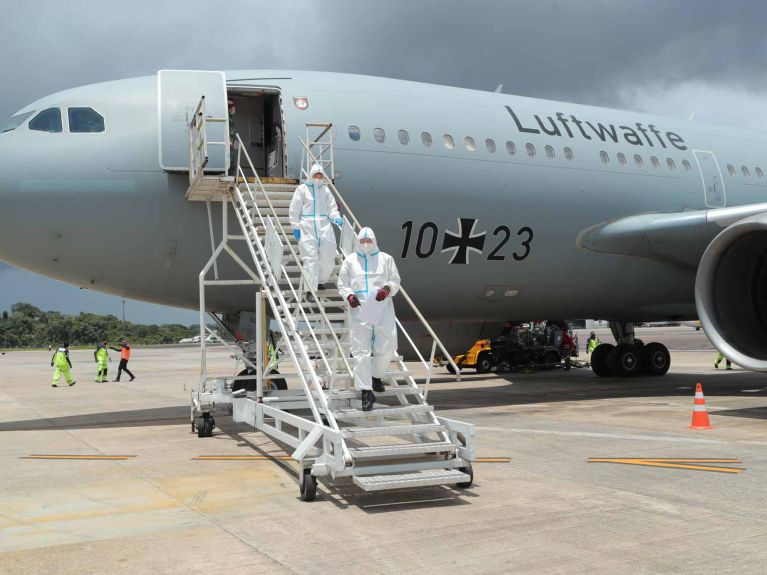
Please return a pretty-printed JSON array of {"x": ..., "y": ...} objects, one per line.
[
  {"x": 179, "y": 93},
  {"x": 713, "y": 184}
]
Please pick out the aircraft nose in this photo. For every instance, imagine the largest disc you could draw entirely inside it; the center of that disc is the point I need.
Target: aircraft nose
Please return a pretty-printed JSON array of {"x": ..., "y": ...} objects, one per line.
[{"x": 11, "y": 229}]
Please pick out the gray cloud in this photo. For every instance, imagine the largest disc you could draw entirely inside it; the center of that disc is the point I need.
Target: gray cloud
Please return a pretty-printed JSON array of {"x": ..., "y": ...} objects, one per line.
[{"x": 703, "y": 56}]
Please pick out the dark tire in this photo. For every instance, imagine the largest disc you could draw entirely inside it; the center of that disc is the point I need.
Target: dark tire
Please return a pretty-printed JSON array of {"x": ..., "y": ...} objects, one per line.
[
  {"x": 205, "y": 427},
  {"x": 655, "y": 358},
  {"x": 278, "y": 383},
  {"x": 450, "y": 369},
  {"x": 551, "y": 359},
  {"x": 599, "y": 357},
  {"x": 468, "y": 470},
  {"x": 625, "y": 360},
  {"x": 638, "y": 344},
  {"x": 252, "y": 385},
  {"x": 484, "y": 362},
  {"x": 308, "y": 485}
]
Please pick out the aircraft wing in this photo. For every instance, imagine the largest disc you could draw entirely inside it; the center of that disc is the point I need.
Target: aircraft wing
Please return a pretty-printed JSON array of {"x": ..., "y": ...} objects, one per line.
[{"x": 679, "y": 238}]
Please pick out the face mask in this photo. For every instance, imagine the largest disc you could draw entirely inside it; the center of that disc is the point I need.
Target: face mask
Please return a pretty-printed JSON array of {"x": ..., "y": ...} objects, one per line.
[
  {"x": 318, "y": 182},
  {"x": 231, "y": 111},
  {"x": 366, "y": 248}
]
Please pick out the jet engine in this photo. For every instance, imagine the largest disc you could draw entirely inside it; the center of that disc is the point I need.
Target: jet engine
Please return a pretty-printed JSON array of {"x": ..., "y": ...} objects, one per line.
[{"x": 731, "y": 292}]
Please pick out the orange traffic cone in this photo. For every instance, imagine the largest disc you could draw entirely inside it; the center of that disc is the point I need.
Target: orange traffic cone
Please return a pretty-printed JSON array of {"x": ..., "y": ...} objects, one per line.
[{"x": 699, "y": 414}]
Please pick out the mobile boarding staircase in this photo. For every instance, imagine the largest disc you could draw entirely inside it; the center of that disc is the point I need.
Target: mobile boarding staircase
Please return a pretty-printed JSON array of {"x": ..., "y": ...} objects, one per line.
[{"x": 401, "y": 445}]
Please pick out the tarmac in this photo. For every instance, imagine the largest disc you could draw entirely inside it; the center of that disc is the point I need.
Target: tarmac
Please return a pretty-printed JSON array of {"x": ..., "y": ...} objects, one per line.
[{"x": 548, "y": 509}]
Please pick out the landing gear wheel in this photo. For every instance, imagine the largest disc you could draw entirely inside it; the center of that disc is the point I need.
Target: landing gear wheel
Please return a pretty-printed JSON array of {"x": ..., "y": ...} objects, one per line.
[
  {"x": 450, "y": 369},
  {"x": 308, "y": 485},
  {"x": 468, "y": 470},
  {"x": 655, "y": 358},
  {"x": 251, "y": 385},
  {"x": 205, "y": 426},
  {"x": 625, "y": 361},
  {"x": 484, "y": 363},
  {"x": 599, "y": 357}
]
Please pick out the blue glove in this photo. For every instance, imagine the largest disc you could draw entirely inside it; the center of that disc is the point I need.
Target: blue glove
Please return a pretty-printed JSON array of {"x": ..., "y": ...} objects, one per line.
[
  {"x": 339, "y": 222},
  {"x": 297, "y": 234}
]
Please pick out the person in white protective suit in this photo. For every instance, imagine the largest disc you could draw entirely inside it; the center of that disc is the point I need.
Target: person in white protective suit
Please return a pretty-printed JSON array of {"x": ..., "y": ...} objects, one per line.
[
  {"x": 370, "y": 274},
  {"x": 312, "y": 210}
]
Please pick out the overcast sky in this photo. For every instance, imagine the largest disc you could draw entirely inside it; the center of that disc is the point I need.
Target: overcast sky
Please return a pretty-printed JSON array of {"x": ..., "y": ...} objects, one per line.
[{"x": 702, "y": 58}]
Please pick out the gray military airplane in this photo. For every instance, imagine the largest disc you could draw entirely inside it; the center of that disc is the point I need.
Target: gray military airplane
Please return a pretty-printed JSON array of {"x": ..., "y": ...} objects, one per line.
[{"x": 496, "y": 207}]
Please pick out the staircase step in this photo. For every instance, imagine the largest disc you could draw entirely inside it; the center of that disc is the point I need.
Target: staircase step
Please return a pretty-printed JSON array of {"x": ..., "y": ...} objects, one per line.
[
  {"x": 392, "y": 430},
  {"x": 382, "y": 411},
  {"x": 417, "y": 479},
  {"x": 391, "y": 391},
  {"x": 401, "y": 449}
]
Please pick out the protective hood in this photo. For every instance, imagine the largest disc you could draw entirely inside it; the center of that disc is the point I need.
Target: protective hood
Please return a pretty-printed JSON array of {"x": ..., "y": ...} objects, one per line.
[
  {"x": 367, "y": 233},
  {"x": 316, "y": 169}
]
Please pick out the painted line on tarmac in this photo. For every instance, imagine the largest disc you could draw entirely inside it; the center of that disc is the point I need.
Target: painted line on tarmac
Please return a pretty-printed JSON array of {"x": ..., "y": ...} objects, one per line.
[
  {"x": 242, "y": 458},
  {"x": 492, "y": 460},
  {"x": 598, "y": 435},
  {"x": 80, "y": 457},
  {"x": 673, "y": 464}
]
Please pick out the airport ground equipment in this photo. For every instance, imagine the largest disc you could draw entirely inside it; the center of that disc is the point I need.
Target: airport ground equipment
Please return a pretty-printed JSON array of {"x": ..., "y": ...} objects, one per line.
[{"x": 401, "y": 442}]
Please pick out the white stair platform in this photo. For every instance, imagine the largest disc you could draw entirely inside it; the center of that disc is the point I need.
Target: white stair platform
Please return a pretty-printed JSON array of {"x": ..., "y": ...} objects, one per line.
[
  {"x": 382, "y": 411},
  {"x": 404, "y": 480},
  {"x": 414, "y": 429},
  {"x": 401, "y": 449}
]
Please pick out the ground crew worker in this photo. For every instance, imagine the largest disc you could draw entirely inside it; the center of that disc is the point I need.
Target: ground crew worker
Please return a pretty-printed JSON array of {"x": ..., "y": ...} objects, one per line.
[
  {"x": 312, "y": 210},
  {"x": 365, "y": 275},
  {"x": 568, "y": 344},
  {"x": 101, "y": 356},
  {"x": 124, "y": 350},
  {"x": 62, "y": 363},
  {"x": 718, "y": 360},
  {"x": 592, "y": 343}
]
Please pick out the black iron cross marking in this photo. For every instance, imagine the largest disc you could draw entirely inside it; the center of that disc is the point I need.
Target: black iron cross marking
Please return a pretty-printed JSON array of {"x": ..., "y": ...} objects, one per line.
[{"x": 464, "y": 241}]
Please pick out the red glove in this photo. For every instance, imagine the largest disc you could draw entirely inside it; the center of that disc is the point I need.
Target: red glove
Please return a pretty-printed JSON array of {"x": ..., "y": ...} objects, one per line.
[
  {"x": 353, "y": 300},
  {"x": 382, "y": 293}
]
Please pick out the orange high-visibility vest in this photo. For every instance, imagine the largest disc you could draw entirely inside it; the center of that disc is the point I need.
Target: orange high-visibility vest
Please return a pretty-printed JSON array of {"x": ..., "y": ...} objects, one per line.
[{"x": 125, "y": 353}]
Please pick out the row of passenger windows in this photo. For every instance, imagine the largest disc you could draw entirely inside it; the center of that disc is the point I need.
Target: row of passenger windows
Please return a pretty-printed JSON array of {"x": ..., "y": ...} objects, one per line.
[
  {"x": 81, "y": 120},
  {"x": 379, "y": 134},
  {"x": 745, "y": 171},
  {"x": 639, "y": 161},
  {"x": 447, "y": 140}
]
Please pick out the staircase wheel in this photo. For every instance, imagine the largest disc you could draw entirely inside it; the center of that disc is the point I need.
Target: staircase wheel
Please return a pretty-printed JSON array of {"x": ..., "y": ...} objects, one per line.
[
  {"x": 308, "y": 485},
  {"x": 468, "y": 470}
]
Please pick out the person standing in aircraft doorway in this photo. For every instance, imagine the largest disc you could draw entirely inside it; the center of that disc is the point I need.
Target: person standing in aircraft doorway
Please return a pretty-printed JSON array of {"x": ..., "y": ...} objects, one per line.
[
  {"x": 312, "y": 210},
  {"x": 370, "y": 277},
  {"x": 233, "y": 144}
]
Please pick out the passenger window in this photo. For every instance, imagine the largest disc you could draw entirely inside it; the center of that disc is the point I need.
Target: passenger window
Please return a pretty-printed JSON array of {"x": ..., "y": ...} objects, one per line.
[
  {"x": 621, "y": 159},
  {"x": 745, "y": 171},
  {"x": 490, "y": 145},
  {"x": 530, "y": 150},
  {"x": 605, "y": 158},
  {"x": 354, "y": 134},
  {"x": 686, "y": 165},
  {"x": 14, "y": 122},
  {"x": 469, "y": 143},
  {"x": 670, "y": 163},
  {"x": 638, "y": 160},
  {"x": 569, "y": 153},
  {"x": 731, "y": 169},
  {"x": 47, "y": 121},
  {"x": 379, "y": 135},
  {"x": 404, "y": 137},
  {"x": 655, "y": 163},
  {"x": 549, "y": 152},
  {"x": 759, "y": 173},
  {"x": 447, "y": 139},
  {"x": 82, "y": 120},
  {"x": 426, "y": 139},
  {"x": 511, "y": 149}
]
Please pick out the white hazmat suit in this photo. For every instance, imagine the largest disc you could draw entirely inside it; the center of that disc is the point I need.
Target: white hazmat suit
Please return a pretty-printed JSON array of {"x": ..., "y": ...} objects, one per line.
[
  {"x": 363, "y": 274},
  {"x": 312, "y": 210}
]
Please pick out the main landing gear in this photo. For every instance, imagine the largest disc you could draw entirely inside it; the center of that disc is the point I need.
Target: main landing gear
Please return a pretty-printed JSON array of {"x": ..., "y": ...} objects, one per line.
[{"x": 630, "y": 356}]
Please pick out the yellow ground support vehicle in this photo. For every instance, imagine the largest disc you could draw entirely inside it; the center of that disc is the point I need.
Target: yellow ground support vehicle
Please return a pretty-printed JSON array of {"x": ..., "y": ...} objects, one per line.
[{"x": 479, "y": 357}]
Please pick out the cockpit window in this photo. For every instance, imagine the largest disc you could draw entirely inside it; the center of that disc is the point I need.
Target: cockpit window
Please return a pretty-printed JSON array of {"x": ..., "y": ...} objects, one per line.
[
  {"x": 85, "y": 120},
  {"x": 14, "y": 122},
  {"x": 47, "y": 121}
]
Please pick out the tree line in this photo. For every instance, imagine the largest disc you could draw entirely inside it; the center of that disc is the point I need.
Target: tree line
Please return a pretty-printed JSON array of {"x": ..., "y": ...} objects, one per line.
[{"x": 28, "y": 326}]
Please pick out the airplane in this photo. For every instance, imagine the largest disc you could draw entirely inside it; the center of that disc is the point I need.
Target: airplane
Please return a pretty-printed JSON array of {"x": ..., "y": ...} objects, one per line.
[{"x": 495, "y": 206}]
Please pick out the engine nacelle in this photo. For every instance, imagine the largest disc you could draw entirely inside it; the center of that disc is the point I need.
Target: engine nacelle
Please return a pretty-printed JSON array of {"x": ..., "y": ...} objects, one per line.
[{"x": 731, "y": 292}]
